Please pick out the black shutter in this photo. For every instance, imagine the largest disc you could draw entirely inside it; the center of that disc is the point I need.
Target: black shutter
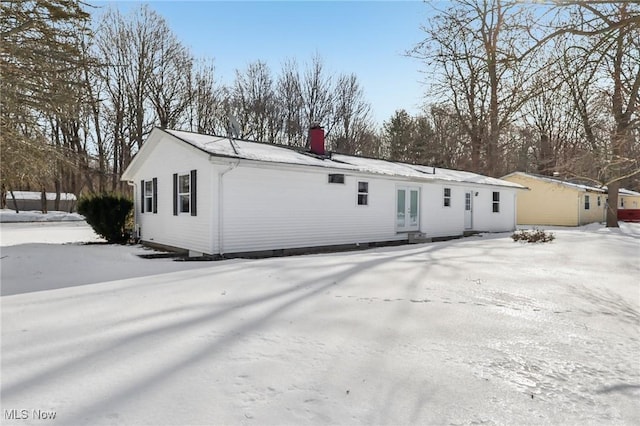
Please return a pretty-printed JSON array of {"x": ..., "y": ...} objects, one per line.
[
  {"x": 142, "y": 196},
  {"x": 155, "y": 195},
  {"x": 175, "y": 194},
  {"x": 194, "y": 191}
]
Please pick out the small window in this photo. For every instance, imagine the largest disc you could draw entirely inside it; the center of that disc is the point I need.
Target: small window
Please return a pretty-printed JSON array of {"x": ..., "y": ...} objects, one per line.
[
  {"x": 447, "y": 197},
  {"x": 586, "y": 202},
  {"x": 363, "y": 193},
  {"x": 184, "y": 193},
  {"x": 599, "y": 201},
  {"x": 148, "y": 196},
  {"x": 149, "y": 193},
  {"x": 496, "y": 202},
  {"x": 622, "y": 202},
  {"x": 336, "y": 178}
]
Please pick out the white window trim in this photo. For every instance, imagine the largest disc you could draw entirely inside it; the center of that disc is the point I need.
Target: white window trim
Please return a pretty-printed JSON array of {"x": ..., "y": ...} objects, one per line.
[
  {"x": 365, "y": 193},
  {"x": 494, "y": 202},
  {"x": 148, "y": 195},
  {"x": 179, "y": 194},
  {"x": 446, "y": 197}
]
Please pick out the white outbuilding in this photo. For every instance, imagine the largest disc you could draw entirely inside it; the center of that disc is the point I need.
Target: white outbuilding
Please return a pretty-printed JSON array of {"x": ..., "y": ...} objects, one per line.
[{"x": 216, "y": 195}]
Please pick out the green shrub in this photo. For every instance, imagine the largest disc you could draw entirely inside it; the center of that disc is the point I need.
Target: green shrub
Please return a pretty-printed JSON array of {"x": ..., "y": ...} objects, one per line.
[
  {"x": 533, "y": 236},
  {"x": 107, "y": 215}
]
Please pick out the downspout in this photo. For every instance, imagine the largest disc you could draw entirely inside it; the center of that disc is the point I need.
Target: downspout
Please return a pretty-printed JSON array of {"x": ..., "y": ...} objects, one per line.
[
  {"x": 220, "y": 206},
  {"x": 135, "y": 214}
]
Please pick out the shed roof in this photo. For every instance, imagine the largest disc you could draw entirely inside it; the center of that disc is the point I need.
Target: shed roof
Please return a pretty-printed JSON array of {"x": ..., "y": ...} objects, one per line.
[{"x": 259, "y": 151}]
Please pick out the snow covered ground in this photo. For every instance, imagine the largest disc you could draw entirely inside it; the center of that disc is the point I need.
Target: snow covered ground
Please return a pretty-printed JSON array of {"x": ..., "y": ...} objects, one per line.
[
  {"x": 8, "y": 216},
  {"x": 478, "y": 330}
]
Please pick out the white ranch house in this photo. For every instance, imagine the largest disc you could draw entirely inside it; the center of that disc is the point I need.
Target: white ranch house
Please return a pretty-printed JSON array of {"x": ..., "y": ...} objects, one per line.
[{"x": 214, "y": 195}]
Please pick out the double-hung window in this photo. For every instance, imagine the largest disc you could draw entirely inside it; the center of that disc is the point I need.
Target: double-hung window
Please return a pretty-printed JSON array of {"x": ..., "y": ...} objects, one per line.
[
  {"x": 149, "y": 199},
  {"x": 496, "y": 202},
  {"x": 587, "y": 201},
  {"x": 184, "y": 193},
  {"x": 446, "y": 200},
  {"x": 363, "y": 193}
]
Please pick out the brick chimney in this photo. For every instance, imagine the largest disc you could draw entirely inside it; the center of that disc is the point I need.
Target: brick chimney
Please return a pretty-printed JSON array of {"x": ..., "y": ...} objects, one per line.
[{"x": 316, "y": 138}]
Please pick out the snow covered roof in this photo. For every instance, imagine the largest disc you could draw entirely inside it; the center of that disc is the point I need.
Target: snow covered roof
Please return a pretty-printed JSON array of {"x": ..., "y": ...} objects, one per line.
[
  {"x": 34, "y": 195},
  {"x": 550, "y": 179},
  {"x": 258, "y": 151},
  {"x": 628, "y": 192}
]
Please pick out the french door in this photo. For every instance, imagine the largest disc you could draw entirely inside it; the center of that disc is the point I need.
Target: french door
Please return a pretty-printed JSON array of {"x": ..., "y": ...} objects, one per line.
[{"x": 407, "y": 209}]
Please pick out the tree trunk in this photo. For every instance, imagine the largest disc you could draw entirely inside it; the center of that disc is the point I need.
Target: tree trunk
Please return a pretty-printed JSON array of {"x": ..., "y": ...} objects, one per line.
[
  {"x": 56, "y": 203},
  {"x": 612, "y": 204},
  {"x": 15, "y": 203},
  {"x": 3, "y": 199},
  {"x": 43, "y": 200}
]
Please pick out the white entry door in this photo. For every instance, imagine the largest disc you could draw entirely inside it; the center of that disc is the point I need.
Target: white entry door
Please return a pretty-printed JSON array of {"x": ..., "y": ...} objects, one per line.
[
  {"x": 407, "y": 209},
  {"x": 468, "y": 210}
]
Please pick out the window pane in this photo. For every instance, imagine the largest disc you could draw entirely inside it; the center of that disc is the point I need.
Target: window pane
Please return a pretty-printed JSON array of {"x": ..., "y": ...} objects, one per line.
[
  {"x": 413, "y": 208},
  {"x": 401, "y": 207},
  {"x": 447, "y": 192},
  {"x": 362, "y": 199},
  {"x": 447, "y": 202},
  {"x": 184, "y": 203},
  {"x": 148, "y": 187},
  {"x": 467, "y": 201},
  {"x": 148, "y": 204},
  {"x": 496, "y": 196},
  {"x": 496, "y": 208},
  {"x": 183, "y": 184},
  {"x": 363, "y": 186}
]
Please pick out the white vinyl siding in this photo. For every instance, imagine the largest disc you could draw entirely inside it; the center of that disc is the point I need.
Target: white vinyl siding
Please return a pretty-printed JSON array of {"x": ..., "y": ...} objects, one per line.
[
  {"x": 182, "y": 231},
  {"x": 303, "y": 211}
]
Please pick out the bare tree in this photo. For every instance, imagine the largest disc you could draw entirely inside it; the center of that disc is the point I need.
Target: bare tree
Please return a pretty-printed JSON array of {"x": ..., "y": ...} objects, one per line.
[
  {"x": 289, "y": 95},
  {"x": 317, "y": 96},
  {"x": 609, "y": 37},
  {"x": 205, "y": 114},
  {"x": 254, "y": 99},
  {"x": 169, "y": 84},
  {"x": 352, "y": 115},
  {"x": 475, "y": 46},
  {"x": 146, "y": 74}
]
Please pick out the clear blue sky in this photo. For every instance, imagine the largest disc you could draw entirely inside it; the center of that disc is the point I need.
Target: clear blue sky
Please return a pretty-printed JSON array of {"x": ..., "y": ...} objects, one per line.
[{"x": 368, "y": 38}]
